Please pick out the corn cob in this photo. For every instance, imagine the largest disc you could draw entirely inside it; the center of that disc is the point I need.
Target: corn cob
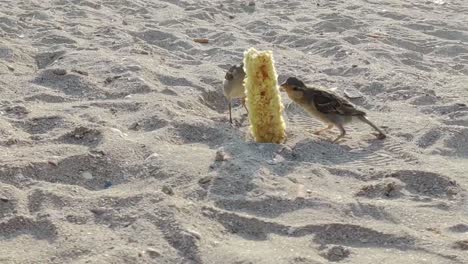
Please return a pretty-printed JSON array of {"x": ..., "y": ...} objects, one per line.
[{"x": 263, "y": 97}]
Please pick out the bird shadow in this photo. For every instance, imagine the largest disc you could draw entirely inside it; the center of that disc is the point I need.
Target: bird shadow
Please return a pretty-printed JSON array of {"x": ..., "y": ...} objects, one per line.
[
  {"x": 242, "y": 178},
  {"x": 322, "y": 151}
]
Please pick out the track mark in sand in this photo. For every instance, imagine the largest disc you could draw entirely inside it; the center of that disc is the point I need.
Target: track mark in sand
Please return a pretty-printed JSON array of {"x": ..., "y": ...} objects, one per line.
[
  {"x": 316, "y": 149},
  {"x": 336, "y": 22},
  {"x": 358, "y": 236},
  {"x": 177, "y": 81},
  {"x": 246, "y": 226},
  {"x": 457, "y": 143},
  {"x": 377, "y": 153},
  {"x": 56, "y": 39},
  {"x": 446, "y": 140},
  {"x": 200, "y": 133},
  {"x": 106, "y": 209},
  {"x": 40, "y": 125},
  {"x": 427, "y": 183},
  {"x": 82, "y": 136},
  {"x": 112, "y": 218},
  {"x": 386, "y": 188},
  {"x": 181, "y": 239},
  {"x": 214, "y": 100},
  {"x": 40, "y": 199},
  {"x": 448, "y": 112},
  {"x": 460, "y": 228},
  {"x": 119, "y": 106},
  {"x": 461, "y": 245},
  {"x": 271, "y": 206},
  {"x": 109, "y": 210},
  {"x": 164, "y": 40},
  {"x": 429, "y": 138},
  {"x": 69, "y": 84},
  {"x": 41, "y": 229},
  {"x": 418, "y": 185},
  {"x": 323, "y": 234},
  {"x": 151, "y": 123},
  {"x": 8, "y": 201},
  {"x": 93, "y": 171},
  {"x": 203, "y": 15},
  {"x": 366, "y": 210},
  {"x": 16, "y": 111},
  {"x": 46, "y": 58},
  {"x": 47, "y": 98},
  {"x": 398, "y": 152}
]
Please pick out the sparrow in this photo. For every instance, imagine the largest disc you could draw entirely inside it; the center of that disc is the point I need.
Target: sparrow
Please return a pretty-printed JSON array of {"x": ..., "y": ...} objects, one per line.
[
  {"x": 326, "y": 106},
  {"x": 234, "y": 86}
]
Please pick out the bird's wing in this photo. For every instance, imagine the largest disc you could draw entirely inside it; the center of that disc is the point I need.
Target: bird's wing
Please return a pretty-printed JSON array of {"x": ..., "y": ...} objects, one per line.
[{"x": 329, "y": 103}]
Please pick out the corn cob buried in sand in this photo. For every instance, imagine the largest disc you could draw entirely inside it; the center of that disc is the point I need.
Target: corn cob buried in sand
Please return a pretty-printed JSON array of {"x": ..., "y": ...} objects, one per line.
[{"x": 263, "y": 97}]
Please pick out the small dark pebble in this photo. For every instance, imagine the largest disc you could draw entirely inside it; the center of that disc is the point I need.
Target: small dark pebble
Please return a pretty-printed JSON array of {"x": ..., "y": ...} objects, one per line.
[
  {"x": 232, "y": 16},
  {"x": 11, "y": 141},
  {"x": 135, "y": 126},
  {"x": 294, "y": 180},
  {"x": 98, "y": 211},
  {"x": 107, "y": 184},
  {"x": 167, "y": 190},
  {"x": 354, "y": 66},
  {"x": 53, "y": 163},
  {"x": 205, "y": 180},
  {"x": 5, "y": 200},
  {"x": 153, "y": 253},
  {"x": 221, "y": 155},
  {"x": 59, "y": 71},
  {"x": 111, "y": 79},
  {"x": 80, "y": 72},
  {"x": 36, "y": 137},
  {"x": 336, "y": 253}
]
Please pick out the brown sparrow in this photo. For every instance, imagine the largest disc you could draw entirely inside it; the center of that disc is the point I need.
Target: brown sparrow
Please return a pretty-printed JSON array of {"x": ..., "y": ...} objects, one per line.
[
  {"x": 234, "y": 86},
  {"x": 326, "y": 106}
]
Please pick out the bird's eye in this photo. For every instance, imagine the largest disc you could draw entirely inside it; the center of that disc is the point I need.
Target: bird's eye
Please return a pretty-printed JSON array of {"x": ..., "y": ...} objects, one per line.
[{"x": 295, "y": 88}]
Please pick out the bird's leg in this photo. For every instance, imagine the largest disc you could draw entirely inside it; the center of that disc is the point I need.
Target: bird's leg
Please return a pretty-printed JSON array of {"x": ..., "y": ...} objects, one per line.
[
  {"x": 243, "y": 104},
  {"x": 343, "y": 132},
  {"x": 230, "y": 114},
  {"x": 330, "y": 126},
  {"x": 380, "y": 135}
]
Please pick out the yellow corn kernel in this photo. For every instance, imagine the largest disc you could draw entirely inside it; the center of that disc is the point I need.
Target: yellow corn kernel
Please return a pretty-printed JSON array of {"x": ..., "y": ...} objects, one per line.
[{"x": 263, "y": 97}]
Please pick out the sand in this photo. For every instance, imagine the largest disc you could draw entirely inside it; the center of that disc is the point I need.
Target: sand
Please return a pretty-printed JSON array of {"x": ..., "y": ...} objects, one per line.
[{"x": 115, "y": 145}]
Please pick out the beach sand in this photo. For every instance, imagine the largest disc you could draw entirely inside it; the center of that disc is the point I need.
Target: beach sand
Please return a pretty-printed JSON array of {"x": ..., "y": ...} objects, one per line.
[{"x": 115, "y": 145}]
